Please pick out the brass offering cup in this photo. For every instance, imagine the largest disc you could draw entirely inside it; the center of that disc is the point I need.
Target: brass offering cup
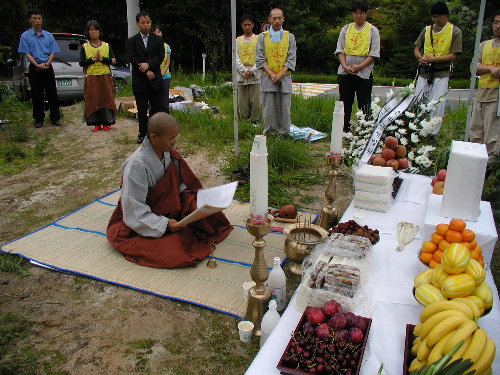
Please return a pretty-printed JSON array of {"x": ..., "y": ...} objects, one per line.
[{"x": 300, "y": 241}]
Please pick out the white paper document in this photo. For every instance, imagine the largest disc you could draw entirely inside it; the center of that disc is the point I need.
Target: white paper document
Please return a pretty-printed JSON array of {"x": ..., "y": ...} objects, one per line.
[{"x": 211, "y": 201}]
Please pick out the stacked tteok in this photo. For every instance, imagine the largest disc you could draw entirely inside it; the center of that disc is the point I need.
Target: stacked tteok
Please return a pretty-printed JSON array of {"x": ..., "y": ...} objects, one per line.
[{"x": 373, "y": 187}]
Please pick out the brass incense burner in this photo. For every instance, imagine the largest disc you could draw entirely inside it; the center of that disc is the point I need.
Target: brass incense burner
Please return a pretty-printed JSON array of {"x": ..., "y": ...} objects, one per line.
[
  {"x": 259, "y": 295},
  {"x": 300, "y": 240}
]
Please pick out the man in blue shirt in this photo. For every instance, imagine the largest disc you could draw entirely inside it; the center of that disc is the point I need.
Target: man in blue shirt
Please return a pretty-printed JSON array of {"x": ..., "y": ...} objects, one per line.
[{"x": 39, "y": 46}]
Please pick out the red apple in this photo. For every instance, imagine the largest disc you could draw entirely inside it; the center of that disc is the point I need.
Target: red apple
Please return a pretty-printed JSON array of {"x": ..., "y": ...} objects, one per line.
[
  {"x": 441, "y": 175},
  {"x": 393, "y": 163},
  {"x": 400, "y": 151},
  {"x": 403, "y": 163},
  {"x": 388, "y": 154},
  {"x": 373, "y": 157},
  {"x": 379, "y": 161},
  {"x": 391, "y": 142}
]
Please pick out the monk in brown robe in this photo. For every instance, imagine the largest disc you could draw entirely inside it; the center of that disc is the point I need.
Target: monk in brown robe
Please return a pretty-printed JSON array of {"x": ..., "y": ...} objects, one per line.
[{"x": 158, "y": 190}]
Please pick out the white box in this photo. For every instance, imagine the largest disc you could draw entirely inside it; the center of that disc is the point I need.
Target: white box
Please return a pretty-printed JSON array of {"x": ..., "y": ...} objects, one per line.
[{"x": 464, "y": 180}]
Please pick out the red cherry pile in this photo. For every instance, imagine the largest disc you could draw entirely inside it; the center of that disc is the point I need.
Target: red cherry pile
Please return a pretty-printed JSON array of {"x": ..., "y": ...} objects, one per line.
[
  {"x": 353, "y": 228},
  {"x": 328, "y": 342}
]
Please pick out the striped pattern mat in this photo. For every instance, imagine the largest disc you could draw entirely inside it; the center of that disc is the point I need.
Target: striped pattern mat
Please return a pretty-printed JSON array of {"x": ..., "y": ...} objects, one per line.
[
  {"x": 77, "y": 243},
  {"x": 306, "y": 90}
]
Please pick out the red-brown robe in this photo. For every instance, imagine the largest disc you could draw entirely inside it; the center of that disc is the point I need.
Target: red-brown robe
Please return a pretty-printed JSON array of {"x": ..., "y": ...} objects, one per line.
[{"x": 177, "y": 249}]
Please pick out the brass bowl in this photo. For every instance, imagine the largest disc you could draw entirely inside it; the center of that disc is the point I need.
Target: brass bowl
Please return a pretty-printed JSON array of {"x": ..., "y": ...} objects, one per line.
[{"x": 300, "y": 240}]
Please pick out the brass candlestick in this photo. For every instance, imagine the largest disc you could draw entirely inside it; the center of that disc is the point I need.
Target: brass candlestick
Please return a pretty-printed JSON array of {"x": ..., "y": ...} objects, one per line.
[
  {"x": 259, "y": 295},
  {"x": 329, "y": 216}
]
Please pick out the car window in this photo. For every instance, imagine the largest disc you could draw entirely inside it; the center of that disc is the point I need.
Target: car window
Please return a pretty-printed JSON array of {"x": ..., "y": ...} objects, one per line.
[{"x": 69, "y": 49}]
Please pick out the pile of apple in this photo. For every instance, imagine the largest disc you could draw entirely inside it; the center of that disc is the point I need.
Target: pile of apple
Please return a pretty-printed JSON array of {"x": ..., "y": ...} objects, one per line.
[
  {"x": 393, "y": 155},
  {"x": 329, "y": 341},
  {"x": 438, "y": 182}
]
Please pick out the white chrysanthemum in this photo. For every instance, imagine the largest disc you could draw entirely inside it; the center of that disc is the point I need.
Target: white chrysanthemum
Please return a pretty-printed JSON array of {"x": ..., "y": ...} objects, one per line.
[
  {"x": 390, "y": 95},
  {"x": 376, "y": 99},
  {"x": 414, "y": 138},
  {"x": 411, "y": 155},
  {"x": 409, "y": 114},
  {"x": 412, "y": 126},
  {"x": 403, "y": 141},
  {"x": 360, "y": 114},
  {"x": 402, "y": 131},
  {"x": 411, "y": 85},
  {"x": 392, "y": 127},
  {"x": 399, "y": 122}
]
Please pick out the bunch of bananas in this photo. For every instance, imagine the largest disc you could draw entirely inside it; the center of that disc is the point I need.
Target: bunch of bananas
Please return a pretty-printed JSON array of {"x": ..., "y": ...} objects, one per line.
[{"x": 442, "y": 325}]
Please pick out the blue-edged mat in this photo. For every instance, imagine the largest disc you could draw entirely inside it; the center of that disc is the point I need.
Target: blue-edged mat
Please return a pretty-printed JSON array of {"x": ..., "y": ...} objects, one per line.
[{"x": 76, "y": 243}]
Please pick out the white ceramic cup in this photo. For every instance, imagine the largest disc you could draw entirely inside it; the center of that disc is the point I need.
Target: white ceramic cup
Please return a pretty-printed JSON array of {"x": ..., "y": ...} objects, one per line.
[
  {"x": 246, "y": 288},
  {"x": 245, "y": 329}
]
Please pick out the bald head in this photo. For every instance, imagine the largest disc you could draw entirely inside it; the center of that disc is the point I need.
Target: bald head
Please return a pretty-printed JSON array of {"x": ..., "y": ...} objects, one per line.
[{"x": 160, "y": 122}]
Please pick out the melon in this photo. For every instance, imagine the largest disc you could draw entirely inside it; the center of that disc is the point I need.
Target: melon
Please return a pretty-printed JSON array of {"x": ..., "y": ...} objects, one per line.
[
  {"x": 484, "y": 292},
  {"x": 438, "y": 275},
  {"x": 423, "y": 277},
  {"x": 455, "y": 286},
  {"x": 426, "y": 294},
  {"x": 456, "y": 258},
  {"x": 476, "y": 271}
]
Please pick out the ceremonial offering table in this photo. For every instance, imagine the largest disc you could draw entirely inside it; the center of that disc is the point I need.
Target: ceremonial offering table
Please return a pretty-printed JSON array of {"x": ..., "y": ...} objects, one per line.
[{"x": 391, "y": 304}]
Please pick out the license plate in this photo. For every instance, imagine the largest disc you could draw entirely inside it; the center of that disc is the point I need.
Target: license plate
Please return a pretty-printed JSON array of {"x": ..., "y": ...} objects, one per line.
[{"x": 64, "y": 82}]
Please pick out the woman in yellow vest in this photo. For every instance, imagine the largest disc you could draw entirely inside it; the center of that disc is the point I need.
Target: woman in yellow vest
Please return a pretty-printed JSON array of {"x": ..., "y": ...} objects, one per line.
[
  {"x": 436, "y": 48},
  {"x": 96, "y": 56},
  {"x": 485, "y": 122},
  {"x": 357, "y": 48}
]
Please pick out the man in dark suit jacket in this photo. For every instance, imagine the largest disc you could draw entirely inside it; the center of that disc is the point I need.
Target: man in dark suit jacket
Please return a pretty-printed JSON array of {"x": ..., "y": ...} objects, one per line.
[{"x": 145, "y": 53}]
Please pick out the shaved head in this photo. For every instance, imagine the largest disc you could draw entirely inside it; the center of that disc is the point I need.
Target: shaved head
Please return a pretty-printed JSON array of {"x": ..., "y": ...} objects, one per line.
[{"x": 160, "y": 122}]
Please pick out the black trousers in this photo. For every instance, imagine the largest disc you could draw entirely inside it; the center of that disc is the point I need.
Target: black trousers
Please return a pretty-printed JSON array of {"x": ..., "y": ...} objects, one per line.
[
  {"x": 43, "y": 81},
  {"x": 350, "y": 84},
  {"x": 151, "y": 100}
]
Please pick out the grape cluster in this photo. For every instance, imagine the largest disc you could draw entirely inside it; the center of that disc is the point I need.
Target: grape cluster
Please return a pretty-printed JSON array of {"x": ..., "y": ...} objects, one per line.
[
  {"x": 353, "y": 228},
  {"x": 331, "y": 347}
]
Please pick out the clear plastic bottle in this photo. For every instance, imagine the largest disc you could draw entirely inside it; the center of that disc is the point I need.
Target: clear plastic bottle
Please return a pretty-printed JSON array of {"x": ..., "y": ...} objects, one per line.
[
  {"x": 277, "y": 284},
  {"x": 269, "y": 321}
]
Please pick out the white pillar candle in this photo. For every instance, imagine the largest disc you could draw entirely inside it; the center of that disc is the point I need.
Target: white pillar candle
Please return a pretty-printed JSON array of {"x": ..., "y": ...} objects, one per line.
[
  {"x": 337, "y": 129},
  {"x": 464, "y": 180},
  {"x": 258, "y": 179}
]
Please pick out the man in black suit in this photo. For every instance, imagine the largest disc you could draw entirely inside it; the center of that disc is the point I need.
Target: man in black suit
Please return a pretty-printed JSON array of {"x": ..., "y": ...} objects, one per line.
[{"x": 145, "y": 53}]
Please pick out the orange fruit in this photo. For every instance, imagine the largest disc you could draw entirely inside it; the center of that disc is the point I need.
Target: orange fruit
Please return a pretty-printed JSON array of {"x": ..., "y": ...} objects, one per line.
[
  {"x": 473, "y": 243},
  {"x": 433, "y": 263},
  {"x": 474, "y": 254},
  {"x": 453, "y": 236},
  {"x": 457, "y": 224},
  {"x": 468, "y": 235},
  {"x": 436, "y": 238},
  {"x": 442, "y": 229},
  {"x": 429, "y": 247},
  {"x": 478, "y": 248},
  {"x": 467, "y": 245},
  {"x": 425, "y": 257},
  {"x": 437, "y": 256},
  {"x": 480, "y": 261},
  {"x": 443, "y": 245}
]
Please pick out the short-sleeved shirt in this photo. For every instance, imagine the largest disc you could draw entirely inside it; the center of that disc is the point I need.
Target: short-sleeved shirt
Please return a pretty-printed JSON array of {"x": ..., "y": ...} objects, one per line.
[
  {"x": 374, "y": 52},
  {"x": 486, "y": 94},
  {"x": 38, "y": 46},
  {"x": 442, "y": 69}
]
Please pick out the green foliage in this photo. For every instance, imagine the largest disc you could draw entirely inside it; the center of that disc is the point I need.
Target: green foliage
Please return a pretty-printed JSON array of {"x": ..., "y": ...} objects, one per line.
[
  {"x": 13, "y": 263},
  {"x": 18, "y": 132},
  {"x": 315, "y": 112}
]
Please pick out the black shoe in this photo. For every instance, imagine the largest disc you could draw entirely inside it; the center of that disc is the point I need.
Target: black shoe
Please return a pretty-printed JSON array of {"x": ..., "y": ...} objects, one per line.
[
  {"x": 140, "y": 138},
  {"x": 56, "y": 123},
  {"x": 38, "y": 124}
]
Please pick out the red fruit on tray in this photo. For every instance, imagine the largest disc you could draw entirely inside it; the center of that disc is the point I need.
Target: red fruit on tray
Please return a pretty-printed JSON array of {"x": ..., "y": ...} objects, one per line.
[
  {"x": 441, "y": 175},
  {"x": 391, "y": 142},
  {"x": 360, "y": 323},
  {"x": 337, "y": 321},
  {"x": 400, "y": 151},
  {"x": 434, "y": 180},
  {"x": 323, "y": 330},
  {"x": 332, "y": 307},
  {"x": 315, "y": 315},
  {"x": 393, "y": 163},
  {"x": 379, "y": 161},
  {"x": 388, "y": 154},
  {"x": 373, "y": 157},
  {"x": 403, "y": 163},
  {"x": 355, "y": 335},
  {"x": 349, "y": 317}
]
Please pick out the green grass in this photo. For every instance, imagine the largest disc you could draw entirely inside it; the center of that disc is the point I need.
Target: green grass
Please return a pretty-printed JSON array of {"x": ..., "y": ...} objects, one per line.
[{"x": 14, "y": 264}]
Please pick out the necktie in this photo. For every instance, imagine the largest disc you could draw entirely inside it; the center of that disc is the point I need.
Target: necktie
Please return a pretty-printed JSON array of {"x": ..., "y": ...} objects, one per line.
[{"x": 145, "y": 39}]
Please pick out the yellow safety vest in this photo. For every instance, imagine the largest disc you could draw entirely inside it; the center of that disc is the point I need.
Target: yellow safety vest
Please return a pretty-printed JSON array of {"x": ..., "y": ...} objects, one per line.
[
  {"x": 357, "y": 42},
  {"x": 490, "y": 56},
  {"x": 276, "y": 53},
  {"x": 97, "y": 68},
  {"x": 441, "y": 41},
  {"x": 164, "y": 62},
  {"x": 246, "y": 51}
]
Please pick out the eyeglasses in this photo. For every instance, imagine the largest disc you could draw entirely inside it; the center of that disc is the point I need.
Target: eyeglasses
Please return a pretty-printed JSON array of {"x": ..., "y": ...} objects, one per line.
[{"x": 173, "y": 139}]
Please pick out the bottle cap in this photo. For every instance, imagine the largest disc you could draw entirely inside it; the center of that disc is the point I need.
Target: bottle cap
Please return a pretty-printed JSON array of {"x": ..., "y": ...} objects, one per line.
[
  {"x": 272, "y": 304},
  {"x": 277, "y": 260},
  {"x": 259, "y": 147}
]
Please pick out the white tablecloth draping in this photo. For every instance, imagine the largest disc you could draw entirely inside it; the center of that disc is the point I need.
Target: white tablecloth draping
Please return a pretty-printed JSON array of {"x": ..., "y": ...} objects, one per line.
[{"x": 391, "y": 300}]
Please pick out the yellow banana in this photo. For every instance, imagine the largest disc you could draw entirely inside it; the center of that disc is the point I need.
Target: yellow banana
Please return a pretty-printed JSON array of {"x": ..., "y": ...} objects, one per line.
[
  {"x": 486, "y": 358},
  {"x": 414, "y": 349},
  {"x": 459, "y": 353},
  {"x": 476, "y": 345},
  {"x": 439, "y": 306},
  {"x": 461, "y": 333},
  {"x": 435, "y": 320},
  {"x": 471, "y": 305},
  {"x": 417, "y": 328},
  {"x": 415, "y": 365},
  {"x": 423, "y": 351},
  {"x": 488, "y": 371},
  {"x": 436, "y": 351},
  {"x": 416, "y": 341},
  {"x": 449, "y": 324}
]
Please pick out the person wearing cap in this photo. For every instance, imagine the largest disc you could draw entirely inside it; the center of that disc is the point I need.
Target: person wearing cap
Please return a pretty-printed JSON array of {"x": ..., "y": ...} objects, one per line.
[
  {"x": 436, "y": 48},
  {"x": 276, "y": 55},
  {"x": 357, "y": 48},
  {"x": 485, "y": 122},
  {"x": 248, "y": 75}
]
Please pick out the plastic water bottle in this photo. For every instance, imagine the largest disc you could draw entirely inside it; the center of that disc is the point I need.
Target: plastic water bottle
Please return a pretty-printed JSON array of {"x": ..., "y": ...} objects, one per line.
[
  {"x": 269, "y": 321},
  {"x": 277, "y": 284}
]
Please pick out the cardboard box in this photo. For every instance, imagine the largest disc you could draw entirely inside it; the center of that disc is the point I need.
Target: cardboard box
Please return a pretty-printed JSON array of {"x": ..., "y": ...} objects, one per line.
[{"x": 126, "y": 105}]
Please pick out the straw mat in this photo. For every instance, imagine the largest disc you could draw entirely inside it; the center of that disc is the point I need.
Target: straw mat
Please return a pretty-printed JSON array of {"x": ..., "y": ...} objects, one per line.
[{"x": 77, "y": 243}]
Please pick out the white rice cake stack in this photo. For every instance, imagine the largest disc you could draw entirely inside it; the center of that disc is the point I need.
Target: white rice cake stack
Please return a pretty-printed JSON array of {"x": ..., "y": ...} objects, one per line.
[{"x": 373, "y": 187}]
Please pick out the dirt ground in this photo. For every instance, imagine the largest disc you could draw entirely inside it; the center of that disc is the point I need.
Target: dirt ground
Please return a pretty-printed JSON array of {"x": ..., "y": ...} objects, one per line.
[{"x": 84, "y": 326}]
